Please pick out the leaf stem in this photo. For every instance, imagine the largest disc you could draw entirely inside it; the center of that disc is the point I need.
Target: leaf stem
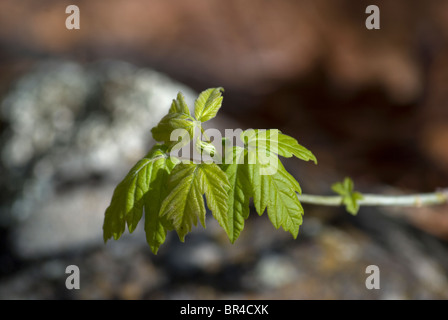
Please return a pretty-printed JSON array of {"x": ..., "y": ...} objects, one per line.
[
  {"x": 414, "y": 200},
  {"x": 207, "y": 139}
]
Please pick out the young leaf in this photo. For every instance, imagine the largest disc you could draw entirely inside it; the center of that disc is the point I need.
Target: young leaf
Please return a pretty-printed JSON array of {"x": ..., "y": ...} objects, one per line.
[
  {"x": 169, "y": 123},
  {"x": 179, "y": 105},
  {"x": 131, "y": 194},
  {"x": 156, "y": 226},
  {"x": 216, "y": 187},
  {"x": 239, "y": 193},
  {"x": 349, "y": 196},
  {"x": 184, "y": 204},
  {"x": 277, "y": 193},
  {"x": 207, "y": 104},
  {"x": 274, "y": 141},
  {"x": 273, "y": 187},
  {"x": 288, "y": 146}
]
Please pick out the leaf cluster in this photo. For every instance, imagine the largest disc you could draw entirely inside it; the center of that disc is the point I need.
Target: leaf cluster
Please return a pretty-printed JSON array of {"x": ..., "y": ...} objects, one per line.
[
  {"x": 170, "y": 191},
  {"x": 350, "y": 197}
]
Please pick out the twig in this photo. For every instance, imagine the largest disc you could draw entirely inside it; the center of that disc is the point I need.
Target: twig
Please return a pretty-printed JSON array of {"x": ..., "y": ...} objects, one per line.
[{"x": 415, "y": 200}]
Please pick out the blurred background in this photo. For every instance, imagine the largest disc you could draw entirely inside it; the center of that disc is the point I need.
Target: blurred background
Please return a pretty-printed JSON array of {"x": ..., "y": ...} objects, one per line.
[{"x": 76, "y": 107}]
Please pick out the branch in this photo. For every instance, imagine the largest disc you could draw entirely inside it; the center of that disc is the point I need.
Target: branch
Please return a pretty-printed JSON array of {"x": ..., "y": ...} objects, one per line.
[{"x": 415, "y": 200}]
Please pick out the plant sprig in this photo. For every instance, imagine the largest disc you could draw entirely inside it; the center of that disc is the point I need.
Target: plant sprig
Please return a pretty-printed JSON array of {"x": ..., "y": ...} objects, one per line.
[{"x": 170, "y": 189}]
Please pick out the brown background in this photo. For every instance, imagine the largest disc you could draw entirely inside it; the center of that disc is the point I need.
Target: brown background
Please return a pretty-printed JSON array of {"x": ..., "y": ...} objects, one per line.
[{"x": 370, "y": 104}]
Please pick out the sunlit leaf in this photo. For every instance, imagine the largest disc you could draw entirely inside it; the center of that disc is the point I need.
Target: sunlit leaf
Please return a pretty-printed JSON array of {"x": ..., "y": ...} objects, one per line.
[
  {"x": 187, "y": 184},
  {"x": 350, "y": 197},
  {"x": 138, "y": 191},
  {"x": 207, "y": 104}
]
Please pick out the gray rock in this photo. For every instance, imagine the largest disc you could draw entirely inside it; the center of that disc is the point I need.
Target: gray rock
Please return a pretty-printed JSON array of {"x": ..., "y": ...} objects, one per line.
[
  {"x": 74, "y": 133},
  {"x": 274, "y": 271}
]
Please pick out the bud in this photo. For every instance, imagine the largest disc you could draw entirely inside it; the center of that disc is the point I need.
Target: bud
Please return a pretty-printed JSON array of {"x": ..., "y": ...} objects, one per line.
[{"x": 205, "y": 147}]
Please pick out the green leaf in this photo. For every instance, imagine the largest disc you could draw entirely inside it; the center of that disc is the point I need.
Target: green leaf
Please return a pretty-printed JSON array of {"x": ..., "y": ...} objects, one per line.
[
  {"x": 207, "y": 104},
  {"x": 172, "y": 121},
  {"x": 273, "y": 187},
  {"x": 156, "y": 226},
  {"x": 135, "y": 192},
  {"x": 274, "y": 141},
  {"x": 288, "y": 146},
  {"x": 277, "y": 193},
  {"x": 179, "y": 105},
  {"x": 216, "y": 187},
  {"x": 349, "y": 196},
  {"x": 239, "y": 193},
  {"x": 184, "y": 204}
]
